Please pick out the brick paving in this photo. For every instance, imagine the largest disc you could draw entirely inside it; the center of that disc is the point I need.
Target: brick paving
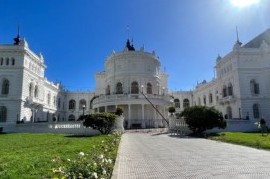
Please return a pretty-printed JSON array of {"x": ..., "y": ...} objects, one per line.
[{"x": 144, "y": 155}]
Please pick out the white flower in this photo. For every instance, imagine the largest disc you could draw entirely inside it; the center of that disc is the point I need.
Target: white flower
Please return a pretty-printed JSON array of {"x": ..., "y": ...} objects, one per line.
[
  {"x": 109, "y": 161},
  {"x": 94, "y": 174},
  {"x": 68, "y": 160},
  {"x": 104, "y": 172},
  {"x": 81, "y": 154},
  {"x": 101, "y": 156},
  {"x": 95, "y": 164}
]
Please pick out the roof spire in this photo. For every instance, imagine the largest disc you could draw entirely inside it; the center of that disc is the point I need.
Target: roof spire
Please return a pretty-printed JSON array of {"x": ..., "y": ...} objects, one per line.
[
  {"x": 237, "y": 36},
  {"x": 17, "y": 39}
]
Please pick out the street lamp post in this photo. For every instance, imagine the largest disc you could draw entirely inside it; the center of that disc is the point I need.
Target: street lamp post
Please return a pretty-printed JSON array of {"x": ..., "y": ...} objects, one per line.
[
  {"x": 83, "y": 108},
  {"x": 240, "y": 113}
]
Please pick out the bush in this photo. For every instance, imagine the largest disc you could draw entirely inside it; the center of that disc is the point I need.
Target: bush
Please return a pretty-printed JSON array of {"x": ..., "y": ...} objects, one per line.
[
  {"x": 103, "y": 122},
  {"x": 119, "y": 111},
  {"x": 202, "y": 118},
  {"x": 171, "y": 109}
]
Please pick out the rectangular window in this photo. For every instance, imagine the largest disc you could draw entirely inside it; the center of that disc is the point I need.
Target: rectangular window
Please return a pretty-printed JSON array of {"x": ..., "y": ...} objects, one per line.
[{"x": 256, "y": 88}]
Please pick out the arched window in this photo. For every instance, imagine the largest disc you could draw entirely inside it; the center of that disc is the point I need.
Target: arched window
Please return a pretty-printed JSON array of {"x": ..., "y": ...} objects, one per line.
[
  {"x": 71, "y": 117},
  {"x": 186, "y": 103},
  {"x": 229, "y": 112},
  {"x": 210, "y": 98},
  {"x": 177, "y": 103},
  {"x": 59, "y": 103},
  {"x": 7, "y": 61},
  {"x": 224, "y": 91},
  {"x": 108, "y": 91},
  {"x": 149, "y": 88},
  {"x": 30, "y": 89},
  {"x": 134, "y": 87},
  {"x": 5, "y": 87},
  {"x": 254, "y": 87},
  {"x": 36, "y": 91},
  {"x": 82, "y": 104},
  {"x": 49, "y": 99},
  {"x": 230, "y": 89},
  {"x": 54, "y": 101},
  {"x": 3, "y": 114},
  {"x": 13, "y": 61},
  {"x": 72, "y": 105},
  {"x": 119, "y": 88},
  {"x": 256, "y": 111}
]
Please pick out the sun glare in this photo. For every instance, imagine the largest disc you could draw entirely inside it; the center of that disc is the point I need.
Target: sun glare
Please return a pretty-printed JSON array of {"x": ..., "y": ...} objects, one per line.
[{"x": 244, "y": 3}]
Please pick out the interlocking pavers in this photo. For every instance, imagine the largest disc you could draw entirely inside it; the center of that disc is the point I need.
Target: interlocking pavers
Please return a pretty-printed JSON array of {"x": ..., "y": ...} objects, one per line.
[{"x": 143, "y": 155}]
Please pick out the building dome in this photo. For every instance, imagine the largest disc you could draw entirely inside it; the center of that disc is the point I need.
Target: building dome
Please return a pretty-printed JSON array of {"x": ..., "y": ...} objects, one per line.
[{"x": 128, "y": 75}]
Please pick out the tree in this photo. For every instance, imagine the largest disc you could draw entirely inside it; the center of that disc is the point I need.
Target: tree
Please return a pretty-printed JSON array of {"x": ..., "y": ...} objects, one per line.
[
  {"x": 104, "y": 122},
  {"x": 119, "y": 111},
  {"x": 171, "y": 109},
  {"x": 202, "y": 118}
]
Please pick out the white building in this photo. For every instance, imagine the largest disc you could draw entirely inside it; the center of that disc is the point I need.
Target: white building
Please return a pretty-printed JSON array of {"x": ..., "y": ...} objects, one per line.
[
  {"x": 132, "y": 78},
  {"x": 241, "y": 88}
]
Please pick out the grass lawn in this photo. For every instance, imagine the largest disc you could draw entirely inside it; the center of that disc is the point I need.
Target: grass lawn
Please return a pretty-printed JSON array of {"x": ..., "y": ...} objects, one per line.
[
  {"x": 255, "y": 140},
  {"x": 24, "y": 155}
]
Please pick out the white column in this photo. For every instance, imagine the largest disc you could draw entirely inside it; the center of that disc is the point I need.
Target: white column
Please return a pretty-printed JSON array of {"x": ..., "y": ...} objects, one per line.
[
  {"x": 33, "y": 115},
  {"x": 143, "y": 122},
  {"x": 165, "y": 115},
  {"x": 129, "y": 120},
  {"x": 106, "y": 109},
  {"x": 158, "y": 118},
  {"x": 155, "y": 118}
]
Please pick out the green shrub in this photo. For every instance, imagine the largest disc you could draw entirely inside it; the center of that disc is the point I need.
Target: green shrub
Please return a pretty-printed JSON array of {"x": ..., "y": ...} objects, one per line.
[
  {"x": 202, "y": 118},
  {"x": 103, "y": 122}
]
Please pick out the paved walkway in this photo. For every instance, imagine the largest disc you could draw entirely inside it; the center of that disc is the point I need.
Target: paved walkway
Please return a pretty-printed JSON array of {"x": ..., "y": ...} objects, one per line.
[{"x": 143, "y": 155}]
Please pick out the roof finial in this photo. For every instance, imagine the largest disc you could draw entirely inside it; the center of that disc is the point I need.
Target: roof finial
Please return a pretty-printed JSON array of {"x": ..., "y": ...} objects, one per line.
[
  {"x": 127, "y": 31},
  {"x": 17, "y": 39},
  {"x": 237, "y": 34}
]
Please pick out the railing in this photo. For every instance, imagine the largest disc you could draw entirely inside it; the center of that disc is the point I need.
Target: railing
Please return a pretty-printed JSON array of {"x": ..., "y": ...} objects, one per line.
[
  {"x": 119, "y": 97},
  {"x": 32, "y": 100},
  {"x": 72, "y": 127},
  {"x": 178, "y": 127},
  {"x": 227, "y": 99}
]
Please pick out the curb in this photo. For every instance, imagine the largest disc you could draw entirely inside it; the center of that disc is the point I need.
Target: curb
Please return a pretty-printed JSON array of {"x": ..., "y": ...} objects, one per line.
[{"x": 116, "y": 164}]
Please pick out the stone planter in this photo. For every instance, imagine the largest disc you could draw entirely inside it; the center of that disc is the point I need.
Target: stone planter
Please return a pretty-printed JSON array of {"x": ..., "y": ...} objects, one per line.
[
  {"x": 172, "y": 121},
  {"x": 119, "y": 124}
]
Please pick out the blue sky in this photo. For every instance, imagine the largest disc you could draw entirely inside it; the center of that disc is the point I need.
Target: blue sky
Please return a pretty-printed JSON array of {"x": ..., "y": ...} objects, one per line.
[{"x": 76, "y": 36}]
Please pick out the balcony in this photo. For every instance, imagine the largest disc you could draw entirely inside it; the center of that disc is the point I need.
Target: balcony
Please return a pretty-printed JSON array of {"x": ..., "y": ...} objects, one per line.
[
  {"x": 130, "y": 99},
  {"x": 31, "y": 101},
  {"x": 227, "y": 100}
]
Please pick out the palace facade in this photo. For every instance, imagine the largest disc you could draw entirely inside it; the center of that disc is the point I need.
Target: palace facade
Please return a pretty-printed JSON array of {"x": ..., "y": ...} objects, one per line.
[{"x": 132, "y": 80}]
